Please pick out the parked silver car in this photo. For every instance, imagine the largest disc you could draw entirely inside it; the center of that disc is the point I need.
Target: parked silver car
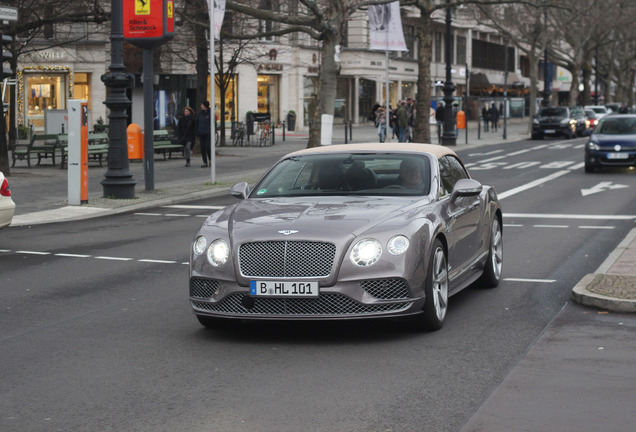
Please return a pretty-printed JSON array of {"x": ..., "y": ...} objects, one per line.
[{"x": 349, "y": 232}]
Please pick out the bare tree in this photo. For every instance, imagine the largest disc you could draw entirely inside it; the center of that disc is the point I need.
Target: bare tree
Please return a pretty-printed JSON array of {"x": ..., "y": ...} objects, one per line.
[
  {"x": 323, "y": 20},
  {"x": 42, "y": 24}
]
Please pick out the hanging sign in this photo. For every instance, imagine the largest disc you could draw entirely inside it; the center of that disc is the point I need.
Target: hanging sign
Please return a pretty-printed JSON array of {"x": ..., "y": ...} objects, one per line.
[{"x": 148, "y": 22}]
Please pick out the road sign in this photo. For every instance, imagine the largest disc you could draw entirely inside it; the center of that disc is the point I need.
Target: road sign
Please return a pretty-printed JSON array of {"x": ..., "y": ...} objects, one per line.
[{"x": 8, "y": 13}]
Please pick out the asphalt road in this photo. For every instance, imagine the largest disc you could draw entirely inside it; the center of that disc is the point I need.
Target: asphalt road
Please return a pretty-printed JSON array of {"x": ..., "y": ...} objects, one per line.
[{"x": 96, "y": 331}]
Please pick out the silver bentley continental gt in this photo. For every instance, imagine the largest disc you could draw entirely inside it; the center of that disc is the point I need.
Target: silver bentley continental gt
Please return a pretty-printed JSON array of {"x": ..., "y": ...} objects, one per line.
[{"x": 352, "y": 231}]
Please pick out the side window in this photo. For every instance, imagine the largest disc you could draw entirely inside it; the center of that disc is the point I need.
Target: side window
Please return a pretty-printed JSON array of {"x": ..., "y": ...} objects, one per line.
[{"x": 451, "y": 171}]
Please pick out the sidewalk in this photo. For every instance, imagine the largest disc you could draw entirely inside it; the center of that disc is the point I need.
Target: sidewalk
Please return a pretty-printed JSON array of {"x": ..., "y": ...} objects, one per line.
[{"x": 579, "y": 375}]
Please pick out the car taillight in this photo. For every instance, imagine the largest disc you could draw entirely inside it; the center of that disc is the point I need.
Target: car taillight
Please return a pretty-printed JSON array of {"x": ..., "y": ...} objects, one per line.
[{"x": 4, "y": 190}]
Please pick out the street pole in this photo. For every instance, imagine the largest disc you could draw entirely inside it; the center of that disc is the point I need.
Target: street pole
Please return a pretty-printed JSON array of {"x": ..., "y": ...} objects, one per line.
[
  {"x": 149, "y": 145},
  {"x": 546, "y": 88},
  {"x": 596, "y": 76},
  {"x": 505, "y": 106},
  {"x": 448, "y": 138},
  {"x": 118, "y": 182},
  {"x": 212, "y": 95}
]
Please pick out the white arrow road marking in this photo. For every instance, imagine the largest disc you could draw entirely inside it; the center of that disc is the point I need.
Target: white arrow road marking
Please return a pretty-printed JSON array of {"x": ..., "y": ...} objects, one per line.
[{"x": 602, "y": 186}]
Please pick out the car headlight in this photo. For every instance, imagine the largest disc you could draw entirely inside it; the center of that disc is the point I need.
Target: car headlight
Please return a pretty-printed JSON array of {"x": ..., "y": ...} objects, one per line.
[
  {"x": 591, "y": 145},
  {"x": 218, "y": 252},
  {"x": 366, "y": 252},
  {"x": 565, "y": 121},
  {"x": 198, "y": 247},
  {"x": 535, "y": 121},
  {"x": 397, "y": 245}
]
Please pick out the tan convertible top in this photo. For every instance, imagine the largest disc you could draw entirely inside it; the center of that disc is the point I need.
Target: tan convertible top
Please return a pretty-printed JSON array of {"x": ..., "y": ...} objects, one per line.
[{"x": 437, "y": 150}]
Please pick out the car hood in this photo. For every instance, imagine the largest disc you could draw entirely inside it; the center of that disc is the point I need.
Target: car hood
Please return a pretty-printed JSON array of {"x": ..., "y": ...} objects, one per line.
[
  {"x": 612, "y": 140},
  {"x": 551, "y": 118},
  {"x": 313, "y": 218}
]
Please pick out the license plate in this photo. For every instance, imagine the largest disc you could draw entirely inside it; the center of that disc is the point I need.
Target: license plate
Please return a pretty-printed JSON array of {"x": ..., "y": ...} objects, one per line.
[
  {"x": 618, "y": 155},
  {"x": 549, "y": 131},
  {"x": 283, "y": 289}
]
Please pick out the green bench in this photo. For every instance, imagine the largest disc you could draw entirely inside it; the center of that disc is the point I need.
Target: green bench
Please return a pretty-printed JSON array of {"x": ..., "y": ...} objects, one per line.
[
  {"x": 41, "y": 145},
  {"x": 97, "y": 147},
  {"x": 165, "y": 144}
]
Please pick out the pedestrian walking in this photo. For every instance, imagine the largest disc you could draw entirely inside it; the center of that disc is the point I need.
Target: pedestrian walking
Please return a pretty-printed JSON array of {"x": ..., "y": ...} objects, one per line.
[
  {"x": 402, "y": 121},
  {"x": 380, "y": 120},
  {"x": 204, "y": 132},
  {"x": 485, "y": 116},
  {"x": 439, "y": 117},
  {"x": 187, "y": 132},
  {"x": 494, "y": 117}
]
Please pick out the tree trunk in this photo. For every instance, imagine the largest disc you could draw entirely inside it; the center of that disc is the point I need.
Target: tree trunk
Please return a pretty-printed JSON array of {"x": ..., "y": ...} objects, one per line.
[
  {"x": 421, "y": 126},
  {"x": 327, "y": 85}
]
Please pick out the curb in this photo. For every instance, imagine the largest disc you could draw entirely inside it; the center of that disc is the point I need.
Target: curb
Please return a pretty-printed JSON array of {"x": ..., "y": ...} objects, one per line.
[{"x": 581, "y": 295}]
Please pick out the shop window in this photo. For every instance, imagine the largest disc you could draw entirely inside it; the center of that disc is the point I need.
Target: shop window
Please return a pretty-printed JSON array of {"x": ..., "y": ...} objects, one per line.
[
  {"x": 43, "y": 92},
  {"x": 83, "y": 87}
]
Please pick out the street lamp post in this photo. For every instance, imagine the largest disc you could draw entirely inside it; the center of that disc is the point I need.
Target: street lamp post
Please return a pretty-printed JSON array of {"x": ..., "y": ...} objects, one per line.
[
  {"x": 505, "y": 105},
  {"x": 546, "y": 88},
  {"x": 118, "y": 181},
  {"x": 448, "y": 138}
]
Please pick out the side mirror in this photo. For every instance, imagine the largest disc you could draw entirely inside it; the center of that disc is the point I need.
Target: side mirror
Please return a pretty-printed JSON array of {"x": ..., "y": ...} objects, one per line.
[
  {"x": 466, "y": 187},
  {"x": 240, "y": 190}
]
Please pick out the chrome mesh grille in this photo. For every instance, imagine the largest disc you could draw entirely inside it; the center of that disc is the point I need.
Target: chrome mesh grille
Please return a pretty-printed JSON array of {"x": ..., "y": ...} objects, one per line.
[
  {"x": 326, "y": 304},
  {"x": 204, "y": 288},
  {"x": 386, "y": 289},
  {"x": 286, "y": 259}
]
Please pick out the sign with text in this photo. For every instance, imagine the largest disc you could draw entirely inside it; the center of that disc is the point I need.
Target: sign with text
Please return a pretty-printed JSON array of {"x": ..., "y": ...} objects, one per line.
[{"x": 148, "y": 22}]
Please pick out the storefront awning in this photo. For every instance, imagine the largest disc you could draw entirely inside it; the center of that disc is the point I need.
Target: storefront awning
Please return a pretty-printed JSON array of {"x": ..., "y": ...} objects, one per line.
[{"x": 479, "y": 80}]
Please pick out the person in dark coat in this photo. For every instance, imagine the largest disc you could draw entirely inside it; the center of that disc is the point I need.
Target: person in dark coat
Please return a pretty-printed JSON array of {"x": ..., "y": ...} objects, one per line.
[
  {"x": 485, "y": 115},
  {"x": 494, "y": 117},
  {"x": 187, "y": 132},
  {"x": 204, "y": 132}
]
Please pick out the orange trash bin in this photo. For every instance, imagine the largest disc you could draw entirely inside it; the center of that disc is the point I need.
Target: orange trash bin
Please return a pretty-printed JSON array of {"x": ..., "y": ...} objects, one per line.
[
  {"x": 135, "y": 142},
  {"x": 461, "y": 120}
]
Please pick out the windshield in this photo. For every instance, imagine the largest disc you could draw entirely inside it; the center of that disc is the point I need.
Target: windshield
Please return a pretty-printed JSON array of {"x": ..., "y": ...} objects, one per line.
[
  {"x": 617, "y": 126},
  {"x": 347, "y": 174},
  {"x": 553, "y": 112}
]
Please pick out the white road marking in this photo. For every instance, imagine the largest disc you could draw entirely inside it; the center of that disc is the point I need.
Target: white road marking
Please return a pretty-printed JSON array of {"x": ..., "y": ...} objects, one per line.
[
  {"x": 33, "y": 252},
  {"x": 568, "y": 216},
  {"x": 202, "y": 207},
  {"x": 532, "y": 184},
  {"x": 157, "y": 261},
  {"x": 551, "y": 226},
  {"x": 72, "y": 255},
  {"x": 601, "y": 187},
  {"x": 512, "y": 225},
  {"x": 177, "y": 215},
  {"x": 148, "y": 214},
  {"x": 113, "y": 258},
  {"x": 530, "y": 280},
  {"x": 596, "y": 227}
]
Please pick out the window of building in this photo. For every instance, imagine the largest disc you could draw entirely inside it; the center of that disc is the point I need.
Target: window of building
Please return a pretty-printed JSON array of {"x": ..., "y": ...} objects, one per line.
[
  {"x": 409, "y": 38},
  {"x": 461, "y": 50},
  {"x": 438, "y": 47},
  {"x": 43, "y": 92},
  {"x": 264, "y": 25},
  {"x": 83, "y": 87},
  {"x": 268, "y": 96},
  {"x": 231, "y": 98}
]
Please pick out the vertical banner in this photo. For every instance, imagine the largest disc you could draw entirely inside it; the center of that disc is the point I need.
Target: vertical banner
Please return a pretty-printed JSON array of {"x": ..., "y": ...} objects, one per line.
[
  {"x": 385, "y": 27},
  {"x": 219, "y": 12}
]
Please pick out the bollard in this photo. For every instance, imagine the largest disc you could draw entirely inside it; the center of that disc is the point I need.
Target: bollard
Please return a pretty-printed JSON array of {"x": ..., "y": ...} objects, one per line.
[
  {"x": 345, "y": 129},
  {"x": 351, "y": 130},
  {"x": 479, "y": 127},
  {"x": 283, "y": 130},
  {"x": 273, "y": 126}
]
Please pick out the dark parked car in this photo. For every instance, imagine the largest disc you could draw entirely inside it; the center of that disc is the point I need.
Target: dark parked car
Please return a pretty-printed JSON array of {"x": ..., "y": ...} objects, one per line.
[
  {"x": 612, "y": 144},
  {"x": 567, "y": 122},
  {"x": 349, "y": 232}
]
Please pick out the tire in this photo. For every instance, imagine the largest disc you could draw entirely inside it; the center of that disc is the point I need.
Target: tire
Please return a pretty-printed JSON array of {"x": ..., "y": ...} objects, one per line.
[
  {"x": 494, "y": 263},
  {"x": 436, "y": 290},
  {"x": 589, "y": 167}
]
